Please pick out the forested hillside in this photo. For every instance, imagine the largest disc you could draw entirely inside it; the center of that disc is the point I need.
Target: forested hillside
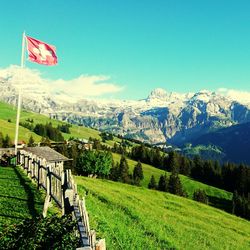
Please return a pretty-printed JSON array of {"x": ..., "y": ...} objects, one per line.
[{"x": 233, "y": 142}]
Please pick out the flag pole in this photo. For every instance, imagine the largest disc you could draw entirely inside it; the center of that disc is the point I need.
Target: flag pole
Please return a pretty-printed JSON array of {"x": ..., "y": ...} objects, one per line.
[{"x": 19, "y": 95}]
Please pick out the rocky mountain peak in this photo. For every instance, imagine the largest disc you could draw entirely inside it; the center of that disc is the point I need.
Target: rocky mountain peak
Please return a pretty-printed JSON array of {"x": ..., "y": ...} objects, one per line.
[
  {"x": 158, "y": 93},
  {"x": 203, "y": 95},
  {"x": 171, "y": 116}
]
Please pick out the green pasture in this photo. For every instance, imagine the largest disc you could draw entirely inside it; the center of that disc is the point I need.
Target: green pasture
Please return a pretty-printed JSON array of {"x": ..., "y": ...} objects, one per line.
[
  {"x": 131, "y": 217},
  {"x": 19, "y": 197},
  {"x": 218, "y": 197},
  {"x": 8, "y": 112}
]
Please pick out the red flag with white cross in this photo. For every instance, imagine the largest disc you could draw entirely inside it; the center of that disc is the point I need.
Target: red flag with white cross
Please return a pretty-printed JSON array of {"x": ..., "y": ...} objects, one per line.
[{"x": 41, "y": 52}]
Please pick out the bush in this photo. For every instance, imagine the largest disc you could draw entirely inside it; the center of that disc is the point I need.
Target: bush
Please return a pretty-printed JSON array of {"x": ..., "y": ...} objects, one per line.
[
  {"x": 200, "y": 195},
  {"x": 64, "y": 128},
  {"x": 48, "y": 131},
  {"x": 137, "y": 173},
  {"x": 175, "y": 186},
  {"x": 152, "y": 183},
  {"x": 94, "y": 163},
  {"x": 42, "y": 233},
  {"x": 163, "y": 183}
]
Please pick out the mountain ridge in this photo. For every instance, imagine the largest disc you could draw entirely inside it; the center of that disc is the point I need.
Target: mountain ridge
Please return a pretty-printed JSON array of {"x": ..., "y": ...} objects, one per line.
[
  {"x": 161, "y": 117},
  {"x": 234, "y": 142}
]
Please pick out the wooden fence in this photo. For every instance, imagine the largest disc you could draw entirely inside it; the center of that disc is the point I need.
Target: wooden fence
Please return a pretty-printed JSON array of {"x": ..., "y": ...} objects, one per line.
[{"x": 60, "y": 186}]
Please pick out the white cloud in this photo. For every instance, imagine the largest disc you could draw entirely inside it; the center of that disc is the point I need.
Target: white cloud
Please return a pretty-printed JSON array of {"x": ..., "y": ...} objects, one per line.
[
  {"x": 74, "y": 89},
  {"x": 237, "y": 95},
  {"x": 86, "y": 86}
]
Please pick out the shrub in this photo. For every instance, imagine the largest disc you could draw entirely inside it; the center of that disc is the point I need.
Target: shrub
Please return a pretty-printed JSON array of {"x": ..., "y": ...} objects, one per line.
[
  {"x": 152, "y": 183},
  {"x": 94, "y": 163},
  {"x": 200, "y": 195},
  {"x": 42, "y": 233}
]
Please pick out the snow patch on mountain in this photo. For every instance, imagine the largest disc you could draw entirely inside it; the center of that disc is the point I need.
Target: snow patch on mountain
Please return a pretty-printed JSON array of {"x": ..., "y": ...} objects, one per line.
[
  {"x": 236, "y": 95},
  {"x": 161, "y": 116}
]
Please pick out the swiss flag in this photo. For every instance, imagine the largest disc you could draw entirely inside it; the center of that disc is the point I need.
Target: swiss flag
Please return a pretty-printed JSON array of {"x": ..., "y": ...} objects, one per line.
[{"x": 41, "y": 52}]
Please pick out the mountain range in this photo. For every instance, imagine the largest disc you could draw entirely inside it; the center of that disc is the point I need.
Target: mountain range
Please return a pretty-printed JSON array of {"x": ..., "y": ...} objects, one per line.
[
  {"x": 162, "y": 117},
  {"x": 233, "y": 142}
]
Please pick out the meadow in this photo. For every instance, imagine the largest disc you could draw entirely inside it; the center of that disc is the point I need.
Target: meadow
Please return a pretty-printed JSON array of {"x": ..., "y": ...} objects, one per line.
[
  {"x": 131, "y": 217},
  {"x": 218, "y": 197},
  {"x": 128, "y": 217},
  {"x": 8, "y": 112},
  {"x": 19, "y": 197}
]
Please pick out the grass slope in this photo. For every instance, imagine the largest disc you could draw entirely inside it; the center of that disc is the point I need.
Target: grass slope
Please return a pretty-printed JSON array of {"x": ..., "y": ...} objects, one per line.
[
  {"x": 130, "y": 217},
  {"x": 218, "y": 197},
  {"x": 9, "y": 112},
  {"x": 19, "y": 197}
]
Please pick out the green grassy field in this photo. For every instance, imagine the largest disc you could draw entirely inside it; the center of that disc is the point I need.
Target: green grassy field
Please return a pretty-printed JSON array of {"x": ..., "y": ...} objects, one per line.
[
  {"x": 19, "y": 197},
  {"x": 130, "y": 217},
  {"x": 9, "y": 112},
  {"x": 218, "y": 197}
]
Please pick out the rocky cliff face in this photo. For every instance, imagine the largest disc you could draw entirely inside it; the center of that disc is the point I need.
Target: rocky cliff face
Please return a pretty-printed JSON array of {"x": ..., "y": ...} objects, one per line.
[
  {"x": 161, "y": 117},
  {"x": 170, "y": 117}
]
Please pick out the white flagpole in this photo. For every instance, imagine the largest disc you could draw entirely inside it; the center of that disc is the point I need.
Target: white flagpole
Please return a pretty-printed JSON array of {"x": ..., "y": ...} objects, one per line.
[{"x": 19, "y": 96}]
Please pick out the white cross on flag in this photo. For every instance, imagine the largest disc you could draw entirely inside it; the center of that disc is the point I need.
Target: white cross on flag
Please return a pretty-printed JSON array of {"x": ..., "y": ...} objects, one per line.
[{"x": 41, "y": 52}]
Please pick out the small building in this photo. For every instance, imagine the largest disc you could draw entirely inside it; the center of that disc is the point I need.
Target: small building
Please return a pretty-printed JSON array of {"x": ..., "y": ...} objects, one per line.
[
  {"x": 83, "y": 143},
  {"x": 39, "y": 161},
  {"x": 45, "y": 155}
]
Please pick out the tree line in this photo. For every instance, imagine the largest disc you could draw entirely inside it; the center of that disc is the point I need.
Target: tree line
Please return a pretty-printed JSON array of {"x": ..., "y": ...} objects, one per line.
[
  {"x": 5, "y": 141},
  {"x": 47, "y": 130},
  {"x": 228, "y": 176}
]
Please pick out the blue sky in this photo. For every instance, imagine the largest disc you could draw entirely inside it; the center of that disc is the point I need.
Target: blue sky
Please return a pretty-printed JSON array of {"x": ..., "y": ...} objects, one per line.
[{"x": 181, "y": 46}]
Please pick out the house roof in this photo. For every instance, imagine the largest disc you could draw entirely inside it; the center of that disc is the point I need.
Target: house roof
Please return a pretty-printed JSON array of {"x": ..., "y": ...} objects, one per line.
[{"x": 49, "y": 154}]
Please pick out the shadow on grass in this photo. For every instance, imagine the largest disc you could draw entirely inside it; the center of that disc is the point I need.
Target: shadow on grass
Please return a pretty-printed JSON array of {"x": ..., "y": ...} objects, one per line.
[
  {"x": 220, "y": 203},
  {"x": 8, "y": 178},
  {"x": 17, "y": 198},
  {"x": 12, "y": 217},
  {"x": 30, "y": 194}
]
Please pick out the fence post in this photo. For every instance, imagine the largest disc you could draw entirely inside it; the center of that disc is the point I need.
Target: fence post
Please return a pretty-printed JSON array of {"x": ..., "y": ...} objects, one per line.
[
  {"x": 24, "y": 157},
  {"x": 100, "y": 245},
  {"x": 63, "y": 191},
  {"x": 18, "y": 158},
  {"x": 92, "y": 238},
  {"x": 32, "y": 168},
  {"x": 48, "y": 197},
  {"x": 38, "y": 174},
  {"x": 29, "y": 167}
]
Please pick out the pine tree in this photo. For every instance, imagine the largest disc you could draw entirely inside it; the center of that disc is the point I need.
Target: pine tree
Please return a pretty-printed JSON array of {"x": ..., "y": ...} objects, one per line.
[
  {"x": 45, "y": 142},
  {"x": 157, "y": 158},
  {"x": 1, "y": 140},
  {"x": 115, "y": 148},
  {"x": 31, "y": 142},
  {"x": 138, "y": 173},
  {"x": 197, "y": 170},
  {"x": 96, "y": 144},
  {"x": 200, "y": 195},
  {"x": 173, "y": 164},
  {"x": 175, "y": 186},
  {"x": 6, "y": 141},
  {"x": 114, "y": 171},
  {"x": 163, "y": 183},
  {"x": 152, "y": 183},
  {"x": 72, "y": 153},
  {"x": 123, "y": 170},
  {"x": 185, "y": 166}
]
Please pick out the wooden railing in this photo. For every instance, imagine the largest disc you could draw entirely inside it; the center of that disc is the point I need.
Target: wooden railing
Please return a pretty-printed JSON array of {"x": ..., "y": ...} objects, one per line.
[{"x": 60, "y": 186}]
